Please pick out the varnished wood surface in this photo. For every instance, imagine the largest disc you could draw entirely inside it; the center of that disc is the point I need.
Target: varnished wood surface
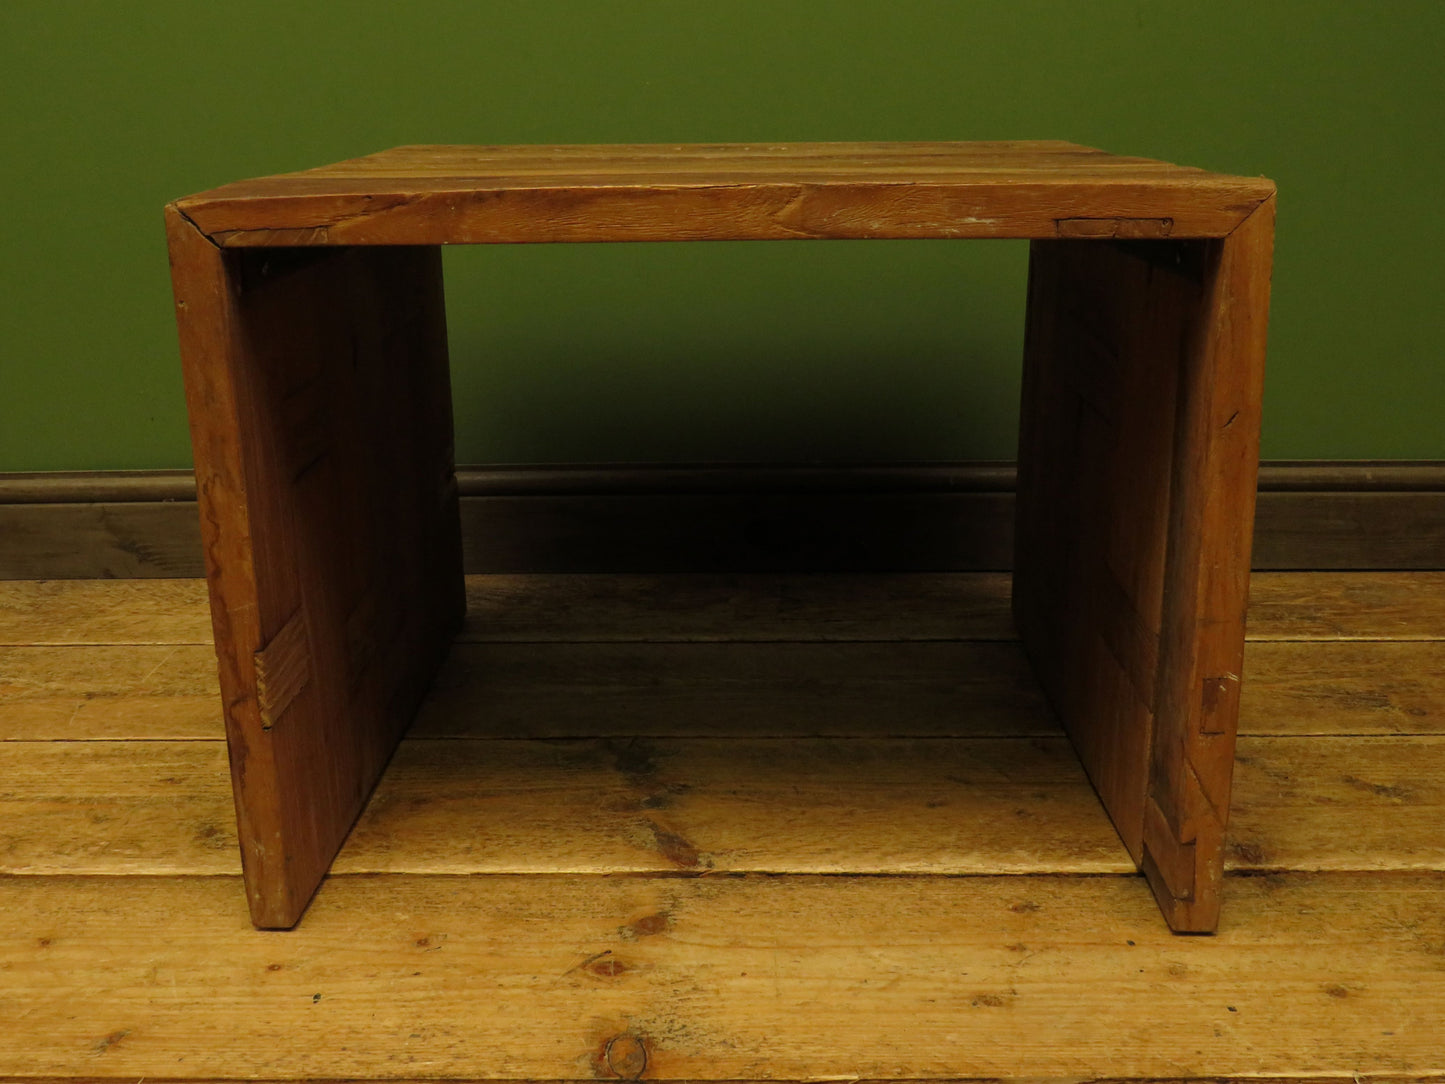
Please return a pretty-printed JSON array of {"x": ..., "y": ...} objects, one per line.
[
  {"x": 459, "y": 195},
  {"x": 742, "y": 872}
]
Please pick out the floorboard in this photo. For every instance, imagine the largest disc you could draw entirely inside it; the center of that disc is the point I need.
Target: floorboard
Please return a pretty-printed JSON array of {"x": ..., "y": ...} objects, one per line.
[
  {"x": 761, "y": 827},
  {"x": 803, "y": 978},
  {"x": 672, "y": 607}
]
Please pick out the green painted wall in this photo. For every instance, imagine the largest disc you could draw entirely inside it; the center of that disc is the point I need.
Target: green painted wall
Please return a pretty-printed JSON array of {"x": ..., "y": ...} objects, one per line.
[{"x": 805, "y": 351}]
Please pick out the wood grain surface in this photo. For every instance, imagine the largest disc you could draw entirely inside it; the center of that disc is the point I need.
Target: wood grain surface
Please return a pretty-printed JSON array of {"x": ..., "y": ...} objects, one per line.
[
  {"x": 541, "y": 607},
  {"x": 722, "y": 979},
  {"x": 562, "y": 690},
  {"x": 320, "y": 409},
  {"x": 837, "y": 922},
  {"x": 470, "y": 195},
  {"x": 314, "y": 347},
  {"x": 699, "y": 806}
]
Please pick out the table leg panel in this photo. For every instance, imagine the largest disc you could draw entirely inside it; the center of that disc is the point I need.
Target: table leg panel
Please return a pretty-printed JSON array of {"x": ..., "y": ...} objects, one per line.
[
  {"x": 1216, "y": 467},
  {"x": 1126, "y": 502},
  {"x": 321, "y": 419}
]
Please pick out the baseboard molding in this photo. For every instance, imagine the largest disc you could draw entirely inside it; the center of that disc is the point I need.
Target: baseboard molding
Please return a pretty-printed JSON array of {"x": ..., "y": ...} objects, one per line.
[{"x": 1387, "y": 515}]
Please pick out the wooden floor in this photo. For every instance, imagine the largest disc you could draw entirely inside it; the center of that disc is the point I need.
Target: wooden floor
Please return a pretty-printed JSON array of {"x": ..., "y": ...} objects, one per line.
[{"x": 723, "y": 828}]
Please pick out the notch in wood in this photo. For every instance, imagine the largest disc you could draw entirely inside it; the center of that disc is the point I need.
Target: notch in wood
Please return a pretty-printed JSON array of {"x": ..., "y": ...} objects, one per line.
[
  {"x": 283, "y": 668},
  {"x": 1122, "y": 228}
]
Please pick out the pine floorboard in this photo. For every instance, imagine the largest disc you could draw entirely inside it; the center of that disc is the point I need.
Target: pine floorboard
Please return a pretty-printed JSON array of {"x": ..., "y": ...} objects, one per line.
[{"x": 770, "y": 827}]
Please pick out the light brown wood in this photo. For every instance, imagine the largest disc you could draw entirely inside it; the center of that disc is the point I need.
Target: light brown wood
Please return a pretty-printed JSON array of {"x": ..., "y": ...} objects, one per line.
[
  {"x": 594, "y": 806},
  {"x": 723, "y": 979},
  {"x": 1310, "y": 803},
  {"x": 471, "y": 195},
  {"x": 1329, "y": 975},
  {"x": 283, "y": 669},
  {"x": 116, "y": 807},
  {"x": 313, "y": 342},
  {"x": 104, "y": 612},
  {"x": 85, "y": 692},
  {"x": 1343, "y": 687},
  {"x": 950, "y": 806},
  {"x": 627, "y": 805},
  {"x": 1138, "y": 456},
  {"x": 1348, "y": 606}
]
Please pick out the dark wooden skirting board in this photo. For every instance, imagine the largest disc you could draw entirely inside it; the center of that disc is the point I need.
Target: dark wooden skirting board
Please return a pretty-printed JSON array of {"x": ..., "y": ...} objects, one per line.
[{"x": 1319, "y": 515}]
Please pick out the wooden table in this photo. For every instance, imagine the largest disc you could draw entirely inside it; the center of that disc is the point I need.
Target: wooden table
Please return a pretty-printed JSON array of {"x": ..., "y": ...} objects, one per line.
[{"x": 313, "y": 340}]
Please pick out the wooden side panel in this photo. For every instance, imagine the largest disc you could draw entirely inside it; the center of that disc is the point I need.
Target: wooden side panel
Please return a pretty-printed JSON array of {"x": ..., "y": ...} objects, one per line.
[
  {"x": 1096, "y": 443},
  {"x": 320, "y": 412},
  {"x": 1138, "y": 462},
  {"x": 1216, "y": 467}
]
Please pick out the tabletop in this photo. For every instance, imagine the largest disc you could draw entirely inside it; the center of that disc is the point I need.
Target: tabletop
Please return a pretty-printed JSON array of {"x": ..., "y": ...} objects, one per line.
[{"x": 727, "y": 191}]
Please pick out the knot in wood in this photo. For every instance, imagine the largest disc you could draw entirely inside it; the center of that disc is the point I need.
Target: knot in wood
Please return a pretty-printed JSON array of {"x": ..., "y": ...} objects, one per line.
[{"x": 625, "y": 1055}]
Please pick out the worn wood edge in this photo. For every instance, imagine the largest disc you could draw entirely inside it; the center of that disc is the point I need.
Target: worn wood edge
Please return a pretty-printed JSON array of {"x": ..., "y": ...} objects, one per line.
[{"x": 1363, "y": 515}]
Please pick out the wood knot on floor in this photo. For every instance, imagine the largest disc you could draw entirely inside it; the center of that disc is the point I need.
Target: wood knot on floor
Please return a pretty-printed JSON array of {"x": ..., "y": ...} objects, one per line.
[{"x": 625, "y": 1056}]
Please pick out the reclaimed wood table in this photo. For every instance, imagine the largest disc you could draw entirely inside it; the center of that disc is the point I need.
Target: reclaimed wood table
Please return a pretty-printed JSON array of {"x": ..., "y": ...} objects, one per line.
[{"x": 313, "y": 340}]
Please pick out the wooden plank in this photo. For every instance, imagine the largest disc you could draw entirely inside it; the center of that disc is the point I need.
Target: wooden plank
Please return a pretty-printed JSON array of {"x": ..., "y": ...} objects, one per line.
[
  {"x": 592, "y": 806},
  {"x": 116, "y": 807},
  {"x": 1206, "y": 584},
  {"x": 743, "y": 690},
  {"x": 88, "y": 692},
  {"x": 1347, "y": 476},
  {"x": 873, "y": 805},
  {"x": 1322, "y": 975},
  {"x": 735, "y": 690},
  {"x": 1347, "y": 606},
  {"x": 461, "y": 195},
  {"x": 319, "y": 402},
  {"x": 1312, "y": 803},
  {"x": 104, "y": 612},
  {"x": 534, "y": 607},
  {"x": 1286, "y": 606},
  {"x": 1102, "y": 352},
  {"x": 1343, "y": 687},
  {"x": 745, "y": 607}
]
